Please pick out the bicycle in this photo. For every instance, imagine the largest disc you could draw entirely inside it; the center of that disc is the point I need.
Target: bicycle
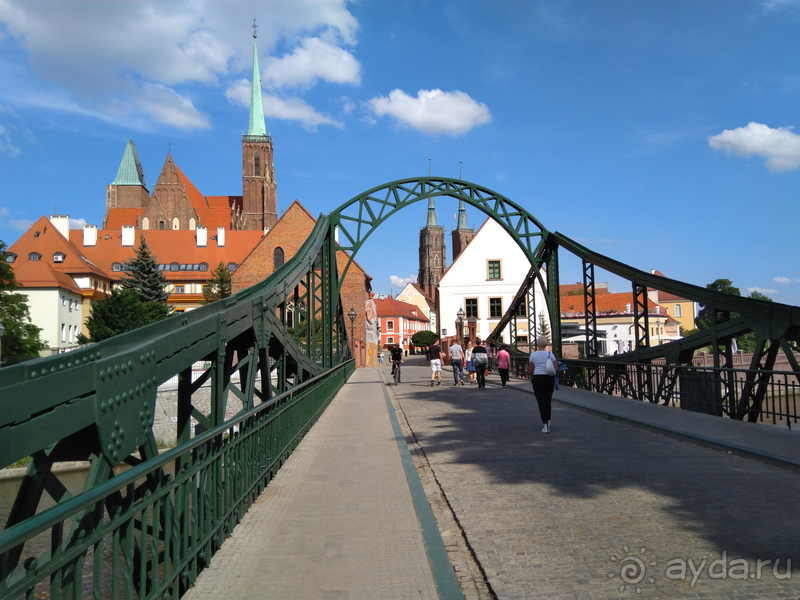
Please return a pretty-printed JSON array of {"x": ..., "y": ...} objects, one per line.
[{"x": 396, "y": 373}]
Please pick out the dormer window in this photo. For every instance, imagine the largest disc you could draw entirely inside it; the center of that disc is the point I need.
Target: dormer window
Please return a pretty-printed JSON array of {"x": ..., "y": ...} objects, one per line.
[
  {"x": 10, "y": 257},
  {"x": 231, "y": 266},
  {"x": 59, "y": 257},
  {"x": 36, "y": 234},
  {"x": 116, "y": 266},
  {"x": 204, "y": 266},
  {"x": 34, "y": 256}
]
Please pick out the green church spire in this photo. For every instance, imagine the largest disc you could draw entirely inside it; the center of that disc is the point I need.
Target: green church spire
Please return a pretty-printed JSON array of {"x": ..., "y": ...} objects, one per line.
[
  {"x": 431, "y": 213},
  {"x": 257, "y": 126},
  {"x": 462, "y": 215},
  {"x": 130, "y": 169}
]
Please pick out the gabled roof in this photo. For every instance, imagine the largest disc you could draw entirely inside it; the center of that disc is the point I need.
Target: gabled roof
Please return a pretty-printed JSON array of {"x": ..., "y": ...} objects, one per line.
[
  {"x": 39, "y": 274},
  {"x": 43, "y": 238},
  {"x": 169, "y": 247},
  {"x": 394, "y": 308},
  {"x": 430, "y": 301},
  {"x": 464, "y": 251},
  {"x": 195, "y": 197},
  {"x": 605, "y": 304},
  {"x": 130, "y": 169}
]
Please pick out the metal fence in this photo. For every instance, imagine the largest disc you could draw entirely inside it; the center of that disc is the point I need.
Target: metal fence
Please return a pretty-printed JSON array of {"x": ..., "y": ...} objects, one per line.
[
  {"x": 762, "y": 396},
  {"x": 163, "y": 534}
]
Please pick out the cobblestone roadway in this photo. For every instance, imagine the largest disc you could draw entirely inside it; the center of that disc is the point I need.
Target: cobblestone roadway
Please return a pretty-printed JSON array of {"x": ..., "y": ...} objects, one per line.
[{"x": 554, "y": 516}]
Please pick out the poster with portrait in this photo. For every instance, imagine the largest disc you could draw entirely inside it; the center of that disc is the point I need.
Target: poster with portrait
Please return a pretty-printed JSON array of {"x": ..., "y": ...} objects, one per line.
[{"x": 371, "y": 322}]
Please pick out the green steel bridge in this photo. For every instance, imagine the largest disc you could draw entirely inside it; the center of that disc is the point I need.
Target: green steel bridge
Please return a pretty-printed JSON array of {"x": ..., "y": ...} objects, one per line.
[{"x": 149, "y": 530}]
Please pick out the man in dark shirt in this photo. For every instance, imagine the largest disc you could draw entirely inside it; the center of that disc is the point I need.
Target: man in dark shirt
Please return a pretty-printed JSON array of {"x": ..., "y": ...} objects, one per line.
[
  {"x": 436, "y": 362},
  {"x": 396, "y": 357},
  {"x": 480, "y": 359}
]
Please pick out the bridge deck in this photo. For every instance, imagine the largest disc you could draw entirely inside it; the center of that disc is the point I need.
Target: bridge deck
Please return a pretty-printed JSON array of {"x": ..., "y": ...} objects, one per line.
[{"x": 555, "y": 516}]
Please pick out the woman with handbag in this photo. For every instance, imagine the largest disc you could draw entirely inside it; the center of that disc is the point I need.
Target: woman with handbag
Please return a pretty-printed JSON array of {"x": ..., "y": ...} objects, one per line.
[{"x": 542, "y": 369}]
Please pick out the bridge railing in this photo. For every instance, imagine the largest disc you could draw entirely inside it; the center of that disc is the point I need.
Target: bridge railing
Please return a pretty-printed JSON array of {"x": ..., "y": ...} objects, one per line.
[
  {"x": 755, "y": 395},
  {"x": 155, "y": 543}
]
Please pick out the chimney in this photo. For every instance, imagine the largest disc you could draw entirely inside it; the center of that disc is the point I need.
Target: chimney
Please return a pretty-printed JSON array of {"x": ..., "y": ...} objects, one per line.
[
  {"x": 627, "y": 308},
  {"x": 128, "y": 235},
  {"x": 202, "y": 237},
  {"x": 61, "y": 223},
  {"x": 221, "y": 237},
  {"x": 89, "y": 235}
]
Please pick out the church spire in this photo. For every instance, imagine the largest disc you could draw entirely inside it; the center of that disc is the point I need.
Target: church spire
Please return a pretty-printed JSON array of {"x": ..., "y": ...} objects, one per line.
[
  {"x": 462, "y": 215},
  {"x": 257, "y": 126},
  {"x": 431, "y": 213}
]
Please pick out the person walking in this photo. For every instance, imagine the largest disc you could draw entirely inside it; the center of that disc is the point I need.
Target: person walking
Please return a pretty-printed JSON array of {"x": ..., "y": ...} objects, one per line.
[
  {"x": 457, "y": 362},
  {"x": 542, "y": 381},
  {"x": 470, "y": 365},
  {"x": 436, "y": 362},
  {"x": 503, "y": 364},
  {"x": 481, "y": 359}
]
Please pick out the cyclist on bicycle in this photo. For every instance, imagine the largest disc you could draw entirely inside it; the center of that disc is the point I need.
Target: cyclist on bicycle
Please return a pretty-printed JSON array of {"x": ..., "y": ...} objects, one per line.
[{"x": 396, "y": 358}]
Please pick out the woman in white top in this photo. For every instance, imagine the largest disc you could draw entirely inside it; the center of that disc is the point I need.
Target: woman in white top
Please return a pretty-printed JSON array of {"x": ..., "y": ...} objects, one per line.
[{"x": 542, "y": 382}]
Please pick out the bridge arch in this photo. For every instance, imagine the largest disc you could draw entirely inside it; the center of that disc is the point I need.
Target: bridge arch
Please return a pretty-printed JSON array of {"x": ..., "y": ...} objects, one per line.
[{"x": 360, "y": 216}]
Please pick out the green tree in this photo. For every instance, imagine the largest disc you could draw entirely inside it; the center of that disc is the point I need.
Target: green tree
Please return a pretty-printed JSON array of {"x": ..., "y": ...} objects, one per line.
[
  {"x": 21, "y": 338},
  {"x": 219, "y": 286},
  {"x": 148, "y": 284},
  {"x": 423, "y": 339},
  {"x": 120, "y": 312},
  {"x": 703, "y": 318},
  {"x": 544, "y": 327}
]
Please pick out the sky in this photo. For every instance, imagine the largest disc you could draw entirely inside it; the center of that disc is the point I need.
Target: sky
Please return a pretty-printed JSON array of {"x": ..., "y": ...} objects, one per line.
[{"x": 663, "y": 134}]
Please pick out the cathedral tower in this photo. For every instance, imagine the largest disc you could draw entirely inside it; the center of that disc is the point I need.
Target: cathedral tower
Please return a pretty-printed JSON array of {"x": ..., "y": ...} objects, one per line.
[
  {"x": 462, "y": 234},
  {"x": 259, "y": 198},
  {"x": 128, "y": 190},
  {"x": 432, "y": 253}
]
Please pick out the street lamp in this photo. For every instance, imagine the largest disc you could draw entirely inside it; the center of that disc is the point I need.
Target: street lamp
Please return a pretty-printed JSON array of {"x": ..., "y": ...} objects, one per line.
[
  {"x": 460, "y": 315},
  {"x": 352, "y": 315}
]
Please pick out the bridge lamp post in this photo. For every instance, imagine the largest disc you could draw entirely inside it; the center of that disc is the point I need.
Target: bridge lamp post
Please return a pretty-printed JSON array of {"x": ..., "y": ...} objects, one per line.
[
  {"x": 460, "y": 315},
  {"x": 352, "y": 315}
]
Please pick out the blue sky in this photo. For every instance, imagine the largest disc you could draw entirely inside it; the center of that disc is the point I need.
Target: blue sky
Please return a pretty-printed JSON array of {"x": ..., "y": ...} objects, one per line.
[{"x": 662, "y": 134}]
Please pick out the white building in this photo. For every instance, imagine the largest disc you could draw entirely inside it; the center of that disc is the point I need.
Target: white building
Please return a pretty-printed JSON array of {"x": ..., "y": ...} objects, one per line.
[{"x": 483, "y": 280}]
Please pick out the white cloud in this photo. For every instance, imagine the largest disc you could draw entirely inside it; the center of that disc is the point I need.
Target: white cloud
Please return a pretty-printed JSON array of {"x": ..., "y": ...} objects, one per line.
[
  {"x": 3, "y": 211},
  {"x": 779, "y": 146},
  {"x": 782, "y": 280},
  {"x": 76, "y": 223},
  {"x": 7, "y": 147},
  {"x": 314, "y": 59},
  {"x": 289, "y": 109},
  {"x": 433, "y": 111},
  {"x": 126, "y": 62},
  {"x": 401, "y": 282},
  {"x": 764, "y": 291},
  {"x": 21, "y": 224}
]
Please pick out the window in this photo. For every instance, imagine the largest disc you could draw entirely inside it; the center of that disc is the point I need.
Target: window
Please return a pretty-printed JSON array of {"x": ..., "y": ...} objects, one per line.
[
  {"x": 677, "y": 311},
  {"x": 10, "y": 257},
  {"x": 277, "y": 258},
  {"x": 471, "y": 307},
  {"x": 34, "y": 256},
  {"x": 206, "y": 288},
  {"x": 161, "y": 224},
  {"x": 118, "y": 266},
  {"x": 174, "y": 267},
  {"x": 495, "y": 308},
  {"x": 63, "y": 332},
  {"x": 204, "y": 266},
  {"x": 522, "y": 309},
  {"x": 493, "y": 269},
  {"x": 390, "y": 340},
  {"x": 256, "y": 165},
  {"x": 231, "y": 266},
  {"x": 59, "y": 257},
  {"x": 178, "y": 289},
  {"x": 389, "y": 325},
  {"x": 63, "y": 300}
]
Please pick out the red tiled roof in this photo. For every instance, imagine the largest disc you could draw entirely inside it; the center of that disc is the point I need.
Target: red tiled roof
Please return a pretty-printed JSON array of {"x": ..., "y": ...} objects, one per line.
[
  {"x": 394, "y": 308},
  {"x": 169, "y": 247},
  {"x": 195, "y": 197},
  {"x": 40, "y": 274},
  {"x": 222, "y": 201},
  {"x": 604, "y": 304},
  {"x": 212, "y": 218},
  {"x": 117, "y": 217},
  {"x": 50, "y": 241}
]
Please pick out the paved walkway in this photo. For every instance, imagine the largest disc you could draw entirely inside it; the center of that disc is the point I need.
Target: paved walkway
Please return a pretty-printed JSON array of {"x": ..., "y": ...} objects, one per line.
[{"x": 597, "y": 509}]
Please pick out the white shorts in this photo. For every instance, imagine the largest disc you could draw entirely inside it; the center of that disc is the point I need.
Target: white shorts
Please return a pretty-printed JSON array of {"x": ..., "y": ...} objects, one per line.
[{"x": 436, "y": 366}]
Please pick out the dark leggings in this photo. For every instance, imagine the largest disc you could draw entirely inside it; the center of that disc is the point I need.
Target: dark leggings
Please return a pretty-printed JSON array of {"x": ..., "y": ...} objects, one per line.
[
  {"x": 503, "y": 376},
  {"x": 543, "y": 386},
  {"x": 480, "y": 371}
]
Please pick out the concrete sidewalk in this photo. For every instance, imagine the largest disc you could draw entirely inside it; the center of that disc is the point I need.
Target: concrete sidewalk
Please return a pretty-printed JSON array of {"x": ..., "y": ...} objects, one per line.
[{"x": 339, "y": 519}]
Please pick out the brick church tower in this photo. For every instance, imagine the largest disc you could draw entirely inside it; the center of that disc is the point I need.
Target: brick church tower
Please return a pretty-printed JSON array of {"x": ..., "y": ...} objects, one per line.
[
  {"x": 432, "y": 254},
  {"x": 259, "y": 197},
  {"x": 462, "y": 234}
]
